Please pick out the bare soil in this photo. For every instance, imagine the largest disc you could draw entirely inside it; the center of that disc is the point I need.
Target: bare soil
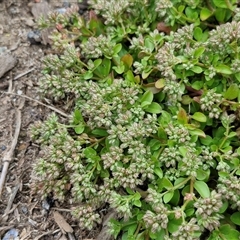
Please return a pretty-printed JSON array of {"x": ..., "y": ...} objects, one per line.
[{"x": 19, "y": 209}]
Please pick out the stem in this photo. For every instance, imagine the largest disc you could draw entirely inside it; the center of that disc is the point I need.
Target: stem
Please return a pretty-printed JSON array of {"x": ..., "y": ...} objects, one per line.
[
  {"x": 225, "y": 138},
  {"x": 98, "y": 141},
  {"x": 142, "y": 193},
  {"x": 177, "y": 186},
  {"x": 183, "y": 16},
  {"x": 229, "y": 5},
  {"x": 137, "y": 230}
]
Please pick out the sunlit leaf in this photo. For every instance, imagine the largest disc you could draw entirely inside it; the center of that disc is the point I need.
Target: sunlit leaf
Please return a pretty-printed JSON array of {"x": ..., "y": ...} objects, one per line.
[{"x": 202, "y": 189}]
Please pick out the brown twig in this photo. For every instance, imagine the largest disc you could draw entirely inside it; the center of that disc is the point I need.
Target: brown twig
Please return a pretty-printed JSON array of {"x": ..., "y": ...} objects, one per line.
[
  {"x": 8, "y": 156},
  {"x": 40, "y": 103},
  {"x": 23, "y": 74}
]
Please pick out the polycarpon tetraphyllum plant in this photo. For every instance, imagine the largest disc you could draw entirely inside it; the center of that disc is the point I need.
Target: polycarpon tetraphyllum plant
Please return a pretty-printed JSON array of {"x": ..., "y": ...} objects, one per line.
[{"x": 152, "y": 88}]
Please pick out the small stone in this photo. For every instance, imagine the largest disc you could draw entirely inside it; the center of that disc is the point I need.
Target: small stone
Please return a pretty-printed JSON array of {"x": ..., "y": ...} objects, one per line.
[
  {"x": 7, "y": 61},
  {"x": 34, "y": 37},
  {"x": 12, "y": 234},
  {"x": 3, "y": 147},
  {"x": 24, "y": 209},
  {"x": 61, "y": 10}
]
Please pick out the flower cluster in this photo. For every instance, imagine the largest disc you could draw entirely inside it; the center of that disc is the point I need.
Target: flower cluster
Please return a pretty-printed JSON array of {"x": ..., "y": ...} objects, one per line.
[
  {"x": 42, "y": 132},
  {"x": 111, "y": 10},
  {"x": 210, "y": 102},
  {"x": 181, "y": 40},
  {"x": 174, "y": 91},
  {"x": 220, "y": 39},
  {"x": 158, "y": 218},
  {"x": 167, "y": 60},
  {"x": 122, "y": 204},
  {"x": 179, "y": 134},
  {"x": 207, "y": 211},
  {"x": 61, "y": 74},
  {"x": 86, "y": 216},
  {"x": 229, "y": 188},
  {"x": 96, "y": 47},
  {"x": 187, "y": 230}
]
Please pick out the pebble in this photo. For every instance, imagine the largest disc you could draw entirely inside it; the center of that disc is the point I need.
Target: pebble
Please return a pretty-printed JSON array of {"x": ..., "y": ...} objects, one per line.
[
  {"x": 12, "y": 234},
  {"x": 34, "y": 37},
  {"x": 3, "y": 147}
]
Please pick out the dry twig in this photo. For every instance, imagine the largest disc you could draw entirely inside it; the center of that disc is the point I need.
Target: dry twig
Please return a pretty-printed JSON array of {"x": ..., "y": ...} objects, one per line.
[
  {"x": 8, "y": 156},
  {"x": 40, "y": 103}
]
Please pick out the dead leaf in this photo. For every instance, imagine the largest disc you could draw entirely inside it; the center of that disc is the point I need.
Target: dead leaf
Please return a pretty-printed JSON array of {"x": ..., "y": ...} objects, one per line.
[
  {"x": 161, "y": 27},
  {"x": 61, "y": 222}
]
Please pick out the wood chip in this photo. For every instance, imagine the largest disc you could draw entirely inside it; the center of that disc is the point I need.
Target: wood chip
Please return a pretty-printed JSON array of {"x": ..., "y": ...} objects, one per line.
[
  {"x": 61, "y": 222},
  {"x": 104, "y": 234},
  {"x": 7, "y": 62},
  {"x": 38, "y": 10}
]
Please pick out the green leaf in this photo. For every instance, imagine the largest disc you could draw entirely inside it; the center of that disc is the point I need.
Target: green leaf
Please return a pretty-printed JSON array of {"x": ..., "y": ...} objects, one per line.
[
  {"x": 232, "y": 134},
  {"x": 173, "y": 225},
  {"x": 79, "y": 129},
  {"x": 145, "y": 74},
  {"x": 168, "y": 196},
  {"x": 189, "y": 212},
  {"x": 197, "y": 85},
  {"x": 117, "y": 48},
  {"x": 165, "y": 118},
  {"x": 235, "y": 218},
  {"x": 179, "y": 181},
  {"x": 88, "y": 75},
  {"x": 196, "y": 69},
  {"x": 229, "y": 232},
  {"x": 147, "y": 97},
  {"x": 100, "y": 132},
  {"x": 202, "y": 175},
  {"x": 224, "y": 69},
  {"x": 197, "y": 132},
  {"x": 130, "y": 76},
  {"x": 153, "y": 108},
  {"x": 205, "y": 14},
  {"x": 207, "y": 140},
  {"x": 197, "y": 33},
  {"x": 132, "y": 228},
  {"x": 148, "y": 42},
  {"x": 130, "y": 191},
  {"x": 200, "y": 117},
  {"x": 202, "y": 188},
  {"x": 116, "y": 227},
  {"x": 158, "y": 171},
  {"x": 103, "y": 69},
  {"x": 232, "y": 92},
  {"x": 137, "y": 203},
  {"x": 77, "y": 116},
  {"x": 119, "y": 69},
  {"x": 220, "y": 3},
  {"x": 183, "y": 150},
  {"x": 159, "y": 84},
  {"x": 154, "y": 144},
  {"x": 176, "y": 197},
  {"x": 199, "y": 51},
  {"x": 89, "y": 152},
  {"x": 166, "y": 183},
  {"x": 186, "y": 99},
  {"x": 220, "y": 14},
  {"x": 159, "y": 235},
  {"x": 96, "y": 63},
  {"x": 224, "y": 207}
]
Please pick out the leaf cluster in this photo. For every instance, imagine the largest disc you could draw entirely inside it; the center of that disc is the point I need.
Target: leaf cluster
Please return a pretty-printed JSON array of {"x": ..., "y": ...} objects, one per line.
[{"x": 154, "y": 130}]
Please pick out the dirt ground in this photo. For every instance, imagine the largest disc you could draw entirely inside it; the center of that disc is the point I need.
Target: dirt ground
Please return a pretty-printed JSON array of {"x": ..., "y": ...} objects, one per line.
[{"x": 19, "y": 210}]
